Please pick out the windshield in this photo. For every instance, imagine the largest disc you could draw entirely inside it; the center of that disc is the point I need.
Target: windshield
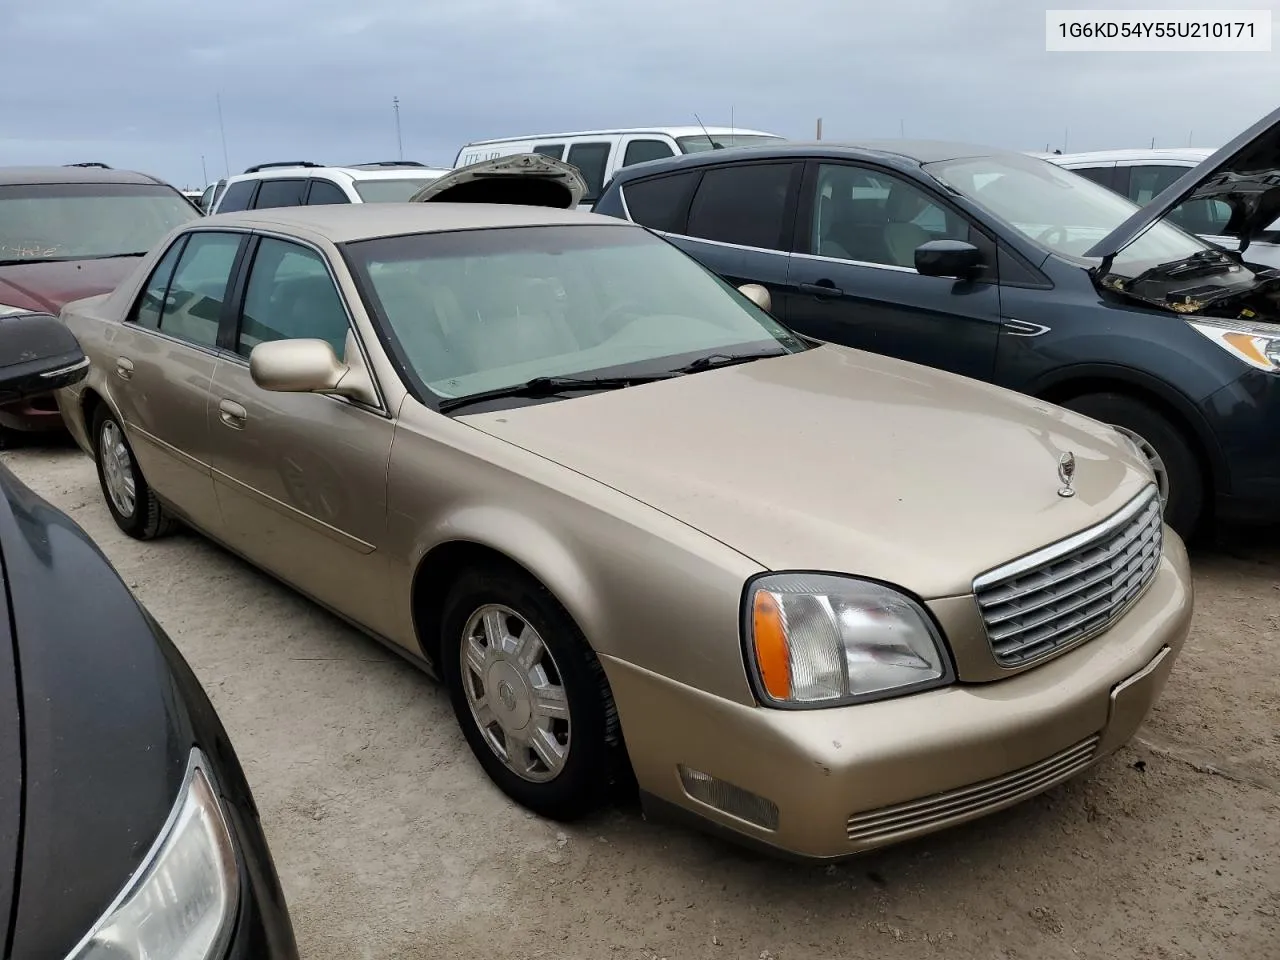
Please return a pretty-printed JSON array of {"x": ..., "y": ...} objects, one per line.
[
  {"x": 484, "y": 309},
  {"x": 1060, "y": 210},
  {"x": 84, "y": 221},
  {"x": 698, "y": 142},
  {"x": 390, "y": 191}
]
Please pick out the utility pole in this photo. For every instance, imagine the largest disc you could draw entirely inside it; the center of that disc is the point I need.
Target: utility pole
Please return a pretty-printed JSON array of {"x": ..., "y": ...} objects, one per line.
[
  {"x": 222, "y": 130},
  {"x": 902, "y": 130},
  {"x": 204, "y": 171},
  {"x": 819, "y": 136},
  {"x": 395, "y": 105},
  {"x": 1153, "y": 143}
]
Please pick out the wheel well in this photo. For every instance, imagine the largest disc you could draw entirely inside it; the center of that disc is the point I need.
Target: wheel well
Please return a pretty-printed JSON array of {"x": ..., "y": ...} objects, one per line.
[
  {"x": 1063, "y": 393},
  {"x": 431, "y": 581},
  {"x": 89, "y": 404}
]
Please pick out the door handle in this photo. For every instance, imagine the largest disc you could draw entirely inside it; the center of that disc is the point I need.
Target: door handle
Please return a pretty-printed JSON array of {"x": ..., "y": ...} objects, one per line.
[
  {"x": 232, "y": 414},
  {"x": 124, "y": 368},
  {"x": 823, "y": 288}
]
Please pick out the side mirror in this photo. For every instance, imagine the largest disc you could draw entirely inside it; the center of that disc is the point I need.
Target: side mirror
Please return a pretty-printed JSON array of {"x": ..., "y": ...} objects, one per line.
[
  {"x": 310, "y": 366},
  {"x": 757, "y": 295},
  {"x": 948, "y": 258},
  {"x": 38, "y": 355}
]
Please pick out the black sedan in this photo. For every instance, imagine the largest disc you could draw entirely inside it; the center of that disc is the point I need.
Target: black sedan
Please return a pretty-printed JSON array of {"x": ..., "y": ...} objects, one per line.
[
  {"x": 1003, "y": 267},
  {"x": 127, "y": 830}
]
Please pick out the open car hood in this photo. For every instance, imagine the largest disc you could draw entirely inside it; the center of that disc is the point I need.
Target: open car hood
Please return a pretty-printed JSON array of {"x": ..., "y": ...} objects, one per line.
[
  {"x": 529, "y": 179},
  {"x": 1244, "y": 174}
]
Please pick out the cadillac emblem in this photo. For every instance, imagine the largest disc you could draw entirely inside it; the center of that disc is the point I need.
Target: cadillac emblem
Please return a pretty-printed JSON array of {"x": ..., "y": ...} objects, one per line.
[{"x": 1066, "y": 473}]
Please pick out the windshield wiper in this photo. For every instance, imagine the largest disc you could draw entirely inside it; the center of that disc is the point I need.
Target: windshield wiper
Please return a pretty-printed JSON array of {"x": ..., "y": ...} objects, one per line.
[
  {"x": 25, "y": 260},
  {"x": 713, "y": 360},
  {"x": 549, "y": 387},
  {"x": 112, "y": 256}
]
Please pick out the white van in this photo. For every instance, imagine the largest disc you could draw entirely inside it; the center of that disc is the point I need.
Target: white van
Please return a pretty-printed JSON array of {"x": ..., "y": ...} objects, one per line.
[{"x": 600, "y": 153}]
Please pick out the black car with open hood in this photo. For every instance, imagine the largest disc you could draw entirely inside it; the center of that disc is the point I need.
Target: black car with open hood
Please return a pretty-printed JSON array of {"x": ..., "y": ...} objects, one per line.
[
  {"x": 127, "y": 830},
  {"x": 1007, "y": 268}
]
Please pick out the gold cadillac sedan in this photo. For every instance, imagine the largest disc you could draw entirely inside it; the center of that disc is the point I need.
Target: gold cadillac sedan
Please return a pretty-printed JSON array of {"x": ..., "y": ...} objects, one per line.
[{"x": 818, "y": 598}]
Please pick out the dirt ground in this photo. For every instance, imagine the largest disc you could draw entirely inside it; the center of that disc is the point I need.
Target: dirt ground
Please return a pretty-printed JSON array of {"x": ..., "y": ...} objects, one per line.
[{"x": 391, "y": 843}]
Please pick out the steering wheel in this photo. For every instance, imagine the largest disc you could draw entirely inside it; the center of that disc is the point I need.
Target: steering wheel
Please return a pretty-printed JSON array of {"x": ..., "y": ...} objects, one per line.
[
  {"x": 1059, "y": 235},
  {"x": 30, "y": 247}
]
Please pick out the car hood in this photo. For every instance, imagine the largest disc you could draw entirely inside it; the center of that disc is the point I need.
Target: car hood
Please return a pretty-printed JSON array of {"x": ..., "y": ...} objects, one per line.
[
  {"x": 49, "y": 286},
  {"x": 836, "y": 459},
  {"x": 525, "y": 178},
  {"x": 107, "y": 728},
  {"x": 1244, "y": 174}
]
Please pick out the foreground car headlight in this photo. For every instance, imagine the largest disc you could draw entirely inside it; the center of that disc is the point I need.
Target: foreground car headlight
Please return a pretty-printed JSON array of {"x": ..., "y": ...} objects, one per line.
[
  {"x": 1256, "y": 344},
  {"x": 181, "y": 902},
  {"x": 820, "y": 640}
]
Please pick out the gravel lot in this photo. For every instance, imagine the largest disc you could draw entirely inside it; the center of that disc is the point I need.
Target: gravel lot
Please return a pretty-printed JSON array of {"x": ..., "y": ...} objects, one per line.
[{"x": 392, "y": 844}]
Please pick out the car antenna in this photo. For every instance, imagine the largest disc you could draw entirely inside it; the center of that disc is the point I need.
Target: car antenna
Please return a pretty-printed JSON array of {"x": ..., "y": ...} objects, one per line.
[{"x": 714, "y": 145}]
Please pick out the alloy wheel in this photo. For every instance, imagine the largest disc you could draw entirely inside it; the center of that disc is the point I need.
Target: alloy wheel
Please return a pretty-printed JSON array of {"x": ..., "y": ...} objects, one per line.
[{"x": 117, "y": 468}]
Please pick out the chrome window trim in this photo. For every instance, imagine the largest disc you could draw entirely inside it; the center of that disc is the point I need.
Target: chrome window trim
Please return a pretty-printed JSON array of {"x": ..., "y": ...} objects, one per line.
[
  {"x": 857, "y": 263},
  {"x": 1069, "y": 545}
]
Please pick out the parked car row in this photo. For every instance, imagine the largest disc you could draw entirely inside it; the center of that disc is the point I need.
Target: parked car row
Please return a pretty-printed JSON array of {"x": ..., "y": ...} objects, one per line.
[{"x": 702, "y": 492}]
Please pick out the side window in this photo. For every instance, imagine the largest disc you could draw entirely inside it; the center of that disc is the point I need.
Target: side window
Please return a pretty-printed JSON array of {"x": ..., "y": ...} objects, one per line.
[
  {"x": 550, "y": 150},
  {"x": 871, "y": 217},
  {"x": 638, "y": 151},
  {"x": 743, "y": 204},
  {"x": 146, "y": 312},
  {"x": 1145, "y": 181},
  {"x": 193, "y": 309},
  {"x": 1102, "y": 176},
  {"x": 236, "y": 196},
  {"x": 660, "y": 203},
  {"x": 280, "y": 193},
  {"x": 591, "y": 159},
  {"x": 290, "y": 295},
  {"x": 325, "y": 192}
]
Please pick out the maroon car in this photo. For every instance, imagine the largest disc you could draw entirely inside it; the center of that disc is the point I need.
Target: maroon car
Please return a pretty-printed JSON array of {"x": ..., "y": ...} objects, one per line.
[{"x": 72, "y": 232}]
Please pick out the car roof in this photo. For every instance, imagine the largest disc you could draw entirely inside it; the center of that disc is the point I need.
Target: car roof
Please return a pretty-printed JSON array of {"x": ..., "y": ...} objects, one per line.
[
  {"x": 669, "y": 131},
  {"x": 902, "y": 154},
  {"x": 342, "y": 223},
  {"x": 355, "y": 173},
  {"x": 17, "y": 175},
  {"x": 1193, "y": 155}
]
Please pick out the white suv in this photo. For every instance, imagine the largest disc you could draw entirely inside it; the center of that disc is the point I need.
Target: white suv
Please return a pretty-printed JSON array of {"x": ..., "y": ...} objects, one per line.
[{"x": 294, "y": 184}]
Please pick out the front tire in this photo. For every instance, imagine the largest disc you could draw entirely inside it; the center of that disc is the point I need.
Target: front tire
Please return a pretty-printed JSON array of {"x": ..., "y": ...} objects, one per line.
[
  {"x": 1167, "y": 449},
  {"x": 132, "y": 503},
  {"x": 529, "y": 693}
]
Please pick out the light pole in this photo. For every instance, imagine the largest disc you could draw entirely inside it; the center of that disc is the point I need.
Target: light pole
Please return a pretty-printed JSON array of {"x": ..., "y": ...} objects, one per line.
[{"x": 395, "y": 105}]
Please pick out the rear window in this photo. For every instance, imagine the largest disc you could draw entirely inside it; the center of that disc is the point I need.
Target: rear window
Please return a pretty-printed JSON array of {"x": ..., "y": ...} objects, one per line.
[
  {"x": 85, "y": 221},
  {"x": 390, "y": 191}
]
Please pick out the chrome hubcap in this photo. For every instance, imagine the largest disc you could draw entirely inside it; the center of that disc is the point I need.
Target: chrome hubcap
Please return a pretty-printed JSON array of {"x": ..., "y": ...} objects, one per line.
[
  {"x": 1153, "y": 459},
  {"x": 117, "y": 468},
  {"x": 515, "y": 693}
]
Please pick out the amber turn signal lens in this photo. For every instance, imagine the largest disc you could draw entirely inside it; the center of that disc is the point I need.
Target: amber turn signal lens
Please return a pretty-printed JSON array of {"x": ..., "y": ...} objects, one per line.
[
  {"x": 770, "y": 637},
  {"x": 1248, "y": 345}
]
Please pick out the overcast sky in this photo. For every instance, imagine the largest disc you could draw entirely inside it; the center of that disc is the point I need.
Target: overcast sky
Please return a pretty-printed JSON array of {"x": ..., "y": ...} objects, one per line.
[{"x": 135, "y": 83}]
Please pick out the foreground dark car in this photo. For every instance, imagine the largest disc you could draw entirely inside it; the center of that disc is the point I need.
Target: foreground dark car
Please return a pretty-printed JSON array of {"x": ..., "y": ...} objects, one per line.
[
  {"x": 127, "y": 830},
  {"x": 1006, "y": 268},
  {"x": 72, "y": 232}
]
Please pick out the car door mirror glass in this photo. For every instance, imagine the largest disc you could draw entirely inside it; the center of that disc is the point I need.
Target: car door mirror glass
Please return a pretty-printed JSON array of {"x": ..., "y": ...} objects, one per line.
[
  {"x": 757, "y": 295},
  {"x": 948, "y": 258},
  {"x": 38, "y": 355}
]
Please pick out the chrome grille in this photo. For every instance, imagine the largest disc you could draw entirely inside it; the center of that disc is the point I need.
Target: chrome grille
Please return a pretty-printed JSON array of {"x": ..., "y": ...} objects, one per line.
[
  {"x": 964, "y": 803},
  {"x": 1073, "y": 589}
]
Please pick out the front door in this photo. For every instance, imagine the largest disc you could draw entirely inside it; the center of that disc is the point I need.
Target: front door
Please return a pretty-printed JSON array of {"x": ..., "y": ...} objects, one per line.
[
  {"x": 163, "y": 360},
  {"x": 301, "y": 477},
  {"x": 853, "y": 280}
]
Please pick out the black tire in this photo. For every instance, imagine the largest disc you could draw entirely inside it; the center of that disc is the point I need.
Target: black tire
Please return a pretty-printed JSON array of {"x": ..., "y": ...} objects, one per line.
[
  {"x": 595, "y": 763},
  {"x": 148, "y": 519},
  {"x": 1185, "y": 505}
]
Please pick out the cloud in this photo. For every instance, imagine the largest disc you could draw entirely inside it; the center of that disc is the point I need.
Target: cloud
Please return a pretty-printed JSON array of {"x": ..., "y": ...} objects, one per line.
[{"x": 136, "y": 83}]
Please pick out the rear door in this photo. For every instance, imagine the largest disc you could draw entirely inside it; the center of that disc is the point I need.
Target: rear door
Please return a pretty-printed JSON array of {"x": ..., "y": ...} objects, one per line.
[
  {"x": 163, "y": 358},
  {"x": 280, "y": 192},
  {"x": 592, "y": 157},
  {"x": 853, "y": 279},
  {"x": 736, "y": 220},
  {"x": 301, "y": 478},
  {"x": 324, "y": 191}
]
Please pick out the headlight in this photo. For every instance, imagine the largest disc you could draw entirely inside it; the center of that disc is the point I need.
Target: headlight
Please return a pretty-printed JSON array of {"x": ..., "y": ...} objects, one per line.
[
  {"x": 818, "y": 640},
  {"x": 1256, "y": 344},
  {"x": 181, "y": 902}
]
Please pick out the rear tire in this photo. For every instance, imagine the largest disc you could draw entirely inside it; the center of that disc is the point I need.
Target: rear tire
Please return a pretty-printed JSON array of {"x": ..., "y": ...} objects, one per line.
[
  {"x": 132, "y": 503},
  {"x": 1167, "y": 446},
  {"x": 509, "y": 651}
]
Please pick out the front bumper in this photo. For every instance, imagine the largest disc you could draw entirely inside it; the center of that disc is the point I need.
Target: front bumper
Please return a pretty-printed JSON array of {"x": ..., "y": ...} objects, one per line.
[{"x": 849, "y": 779}]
